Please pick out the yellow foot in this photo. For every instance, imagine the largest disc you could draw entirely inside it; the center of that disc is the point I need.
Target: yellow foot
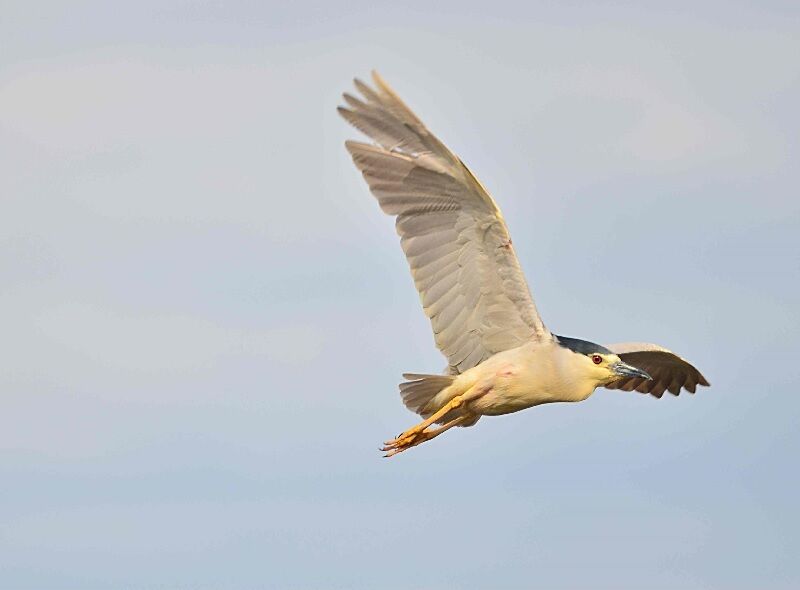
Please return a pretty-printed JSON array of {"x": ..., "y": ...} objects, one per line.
[
  {"x": 408, "y": 435},
  {"x": 404, "y": 442},
  {"x": 415, "y": 436}
]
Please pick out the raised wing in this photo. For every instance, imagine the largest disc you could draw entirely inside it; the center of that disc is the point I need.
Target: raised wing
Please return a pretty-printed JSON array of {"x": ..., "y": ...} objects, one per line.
[
  {"x": 453, "y": 234},
  {"x": 669, "y": 372}
]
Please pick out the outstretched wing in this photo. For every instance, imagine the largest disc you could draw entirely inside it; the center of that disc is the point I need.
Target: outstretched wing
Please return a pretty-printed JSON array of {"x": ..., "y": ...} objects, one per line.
[
  {"x": 669, "y": 372},
  {"x": 453, "y": 234}
]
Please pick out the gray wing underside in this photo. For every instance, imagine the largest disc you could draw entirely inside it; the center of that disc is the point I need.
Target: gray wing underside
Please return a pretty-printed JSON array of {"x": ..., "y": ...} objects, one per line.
[
  {"x": 669, "y": 372},
  {"x": 453, "y": 234}
]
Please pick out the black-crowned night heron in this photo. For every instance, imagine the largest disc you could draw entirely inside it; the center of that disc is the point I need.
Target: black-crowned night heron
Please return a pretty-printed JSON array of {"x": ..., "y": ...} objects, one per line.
[{"x": 501, "y": 357}]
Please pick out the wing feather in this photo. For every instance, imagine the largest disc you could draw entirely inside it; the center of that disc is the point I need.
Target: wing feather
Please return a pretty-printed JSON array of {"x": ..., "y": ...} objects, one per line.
[
  {"x": 669, "y": 372},
  {"x": 454, "y": 237}
]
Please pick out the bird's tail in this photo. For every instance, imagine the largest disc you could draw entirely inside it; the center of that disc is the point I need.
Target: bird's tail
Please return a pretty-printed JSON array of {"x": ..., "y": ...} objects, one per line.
[{"x": 419, "y": 390}]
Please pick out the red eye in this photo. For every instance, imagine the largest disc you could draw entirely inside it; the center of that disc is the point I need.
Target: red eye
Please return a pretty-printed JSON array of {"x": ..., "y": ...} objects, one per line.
[{"x": 597, "y": 359}]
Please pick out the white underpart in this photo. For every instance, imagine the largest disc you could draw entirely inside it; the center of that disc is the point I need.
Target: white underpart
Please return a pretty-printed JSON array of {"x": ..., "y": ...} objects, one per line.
[{"x": 526, "y": 376}]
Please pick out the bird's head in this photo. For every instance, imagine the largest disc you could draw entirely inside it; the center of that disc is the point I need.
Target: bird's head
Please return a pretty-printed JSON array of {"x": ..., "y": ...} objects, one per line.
[{"x": 597, "y": 363}]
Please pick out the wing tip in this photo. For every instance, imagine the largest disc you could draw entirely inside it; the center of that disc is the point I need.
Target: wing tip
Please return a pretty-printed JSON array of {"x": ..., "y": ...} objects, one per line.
[
  {"x": 378, "y": 80},
  {"x": 352, "y": 101},
  {"x": 365, "y": 89},
  {"x": 355, "y": 147}
]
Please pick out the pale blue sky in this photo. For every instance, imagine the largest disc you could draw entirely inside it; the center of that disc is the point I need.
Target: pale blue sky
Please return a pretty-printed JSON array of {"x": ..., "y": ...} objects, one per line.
[{"x": 204, "y": 314}]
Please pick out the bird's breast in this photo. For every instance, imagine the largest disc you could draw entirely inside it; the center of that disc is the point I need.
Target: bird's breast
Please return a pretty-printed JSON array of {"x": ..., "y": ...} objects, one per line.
[{"x": 528, "y": 376}]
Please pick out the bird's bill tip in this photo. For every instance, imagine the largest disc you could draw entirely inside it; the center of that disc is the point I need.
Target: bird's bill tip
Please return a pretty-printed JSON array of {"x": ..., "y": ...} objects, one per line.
[{"x": 626, "y": 370}]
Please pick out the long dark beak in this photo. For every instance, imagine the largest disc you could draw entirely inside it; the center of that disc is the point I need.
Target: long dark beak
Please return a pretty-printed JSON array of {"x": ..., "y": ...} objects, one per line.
[{"x": 626, "y": 370}]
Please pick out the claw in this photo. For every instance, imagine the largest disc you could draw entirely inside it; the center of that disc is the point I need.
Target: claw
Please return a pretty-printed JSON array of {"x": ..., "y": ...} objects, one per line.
[{"x": 393, "y": 452}]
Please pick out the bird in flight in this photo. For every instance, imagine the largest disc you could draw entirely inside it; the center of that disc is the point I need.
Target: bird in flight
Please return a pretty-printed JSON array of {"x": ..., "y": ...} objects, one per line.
[{"x": 501, "y": 357}]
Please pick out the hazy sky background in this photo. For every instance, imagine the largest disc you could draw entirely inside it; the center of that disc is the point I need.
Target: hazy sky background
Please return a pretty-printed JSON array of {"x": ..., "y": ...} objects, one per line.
[{"x": 204, "y": 315}]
